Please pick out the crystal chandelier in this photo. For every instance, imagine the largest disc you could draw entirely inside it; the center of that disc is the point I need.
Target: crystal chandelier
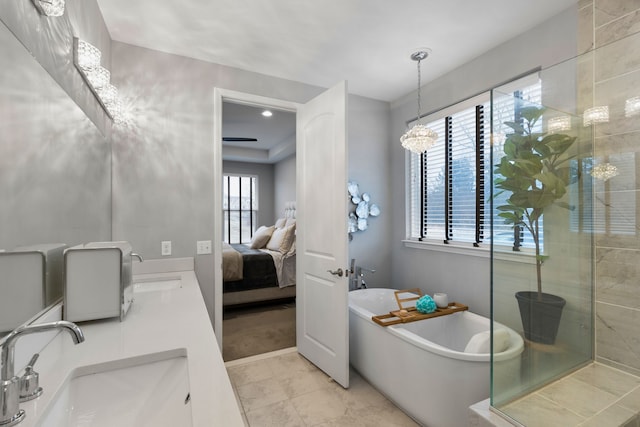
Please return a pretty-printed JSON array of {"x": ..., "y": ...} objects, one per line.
[
  {"x": 604, "y": 171},
  {"x": 419, "y": 138},
  {"x": 50, "y": 7}
]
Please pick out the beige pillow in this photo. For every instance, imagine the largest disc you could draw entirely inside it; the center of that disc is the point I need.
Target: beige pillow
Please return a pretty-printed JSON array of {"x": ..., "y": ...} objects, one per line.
[
  {"x": 290, "y": 221},
  {"x": 281, "y": 239},
  {"x": 280, "y": 223},
  {"x": 261, "y": 237}
]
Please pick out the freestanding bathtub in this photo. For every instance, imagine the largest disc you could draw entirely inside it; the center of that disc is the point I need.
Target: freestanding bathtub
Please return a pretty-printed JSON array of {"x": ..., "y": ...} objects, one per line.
[{"x": 421, "y": 366}]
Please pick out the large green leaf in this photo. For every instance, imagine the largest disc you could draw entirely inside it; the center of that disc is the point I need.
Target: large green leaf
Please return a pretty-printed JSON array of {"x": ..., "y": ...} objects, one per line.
[
  {"x": 516, "y": 127},
  {"x": 531, "y": 114},
  {"x": 540, "y": 199},
  {"x": 558, "y": 143}
]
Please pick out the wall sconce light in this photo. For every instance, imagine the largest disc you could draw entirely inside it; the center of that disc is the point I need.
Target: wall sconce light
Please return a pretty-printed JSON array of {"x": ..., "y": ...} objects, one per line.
[
  {"x": 558, "y": 124},
  {"x": 98, "y": 77},
  {"x": 419, "y": 138},
  {"x": 50, "y": 7},
  {"x": 87, "y": 56},
  {"x": 87, "y": 60},
  {"x": 604, "y": 171},
  {"x": 108, "y": 94},
  {"x": 595, "y": 115},
  {"x": 632, "y": 106}
]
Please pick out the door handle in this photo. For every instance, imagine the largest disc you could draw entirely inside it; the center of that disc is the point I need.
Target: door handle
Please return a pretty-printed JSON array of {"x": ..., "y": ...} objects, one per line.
[{"x": 337, "y": 272}]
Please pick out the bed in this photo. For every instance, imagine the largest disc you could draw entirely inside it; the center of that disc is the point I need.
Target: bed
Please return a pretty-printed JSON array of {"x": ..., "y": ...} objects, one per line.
[{"x": 265, "y": 268}]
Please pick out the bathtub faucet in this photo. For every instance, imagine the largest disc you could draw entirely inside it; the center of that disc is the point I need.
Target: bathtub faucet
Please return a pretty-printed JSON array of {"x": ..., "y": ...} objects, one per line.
[{"x": 359, "y": 277}]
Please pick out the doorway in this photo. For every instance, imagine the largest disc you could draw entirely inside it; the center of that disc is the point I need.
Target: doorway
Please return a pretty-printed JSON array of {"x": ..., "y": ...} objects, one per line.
[
  {"x": 258, "y": 195},
  {"x": 322, "y": 334},
  {"x": 223, "y": 97}
]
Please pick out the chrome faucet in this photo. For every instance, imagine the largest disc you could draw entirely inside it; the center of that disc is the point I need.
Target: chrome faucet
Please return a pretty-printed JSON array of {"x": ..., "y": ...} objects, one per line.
[
  {"x": 360, "y": 283},
  {"x": 10, "y": 412}
]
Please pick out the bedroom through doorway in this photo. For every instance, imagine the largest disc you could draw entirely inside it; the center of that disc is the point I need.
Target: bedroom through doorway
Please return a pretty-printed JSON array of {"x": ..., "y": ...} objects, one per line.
[{"x": 259, "y": 230}]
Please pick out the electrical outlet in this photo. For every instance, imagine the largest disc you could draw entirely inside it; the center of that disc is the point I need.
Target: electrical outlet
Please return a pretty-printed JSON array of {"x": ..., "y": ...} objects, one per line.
[
  {"x": 166, "y": 247},
  {"x": 203, "y": 247}
]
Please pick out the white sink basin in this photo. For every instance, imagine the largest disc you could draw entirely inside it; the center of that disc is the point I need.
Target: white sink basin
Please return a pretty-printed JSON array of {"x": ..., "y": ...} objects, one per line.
[
  {"x": 162, "y": 285},
  {"x": 151, "y": 390}
]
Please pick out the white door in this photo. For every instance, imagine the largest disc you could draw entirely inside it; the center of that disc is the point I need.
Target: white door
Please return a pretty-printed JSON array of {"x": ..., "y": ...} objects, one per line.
[{"x": 322, "y": 312}]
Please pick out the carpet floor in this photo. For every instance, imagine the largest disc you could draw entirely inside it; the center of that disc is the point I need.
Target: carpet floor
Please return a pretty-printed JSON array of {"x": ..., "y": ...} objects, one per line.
[{"x": 258, "y": 329}]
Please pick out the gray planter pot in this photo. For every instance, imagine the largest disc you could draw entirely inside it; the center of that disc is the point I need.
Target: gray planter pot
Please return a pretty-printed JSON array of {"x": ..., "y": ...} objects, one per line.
[{"x": 540, "y": 316}]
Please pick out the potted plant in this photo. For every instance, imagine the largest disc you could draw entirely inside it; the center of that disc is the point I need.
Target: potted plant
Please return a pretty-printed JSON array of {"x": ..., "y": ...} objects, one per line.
[{"x": 535, "y": 170}]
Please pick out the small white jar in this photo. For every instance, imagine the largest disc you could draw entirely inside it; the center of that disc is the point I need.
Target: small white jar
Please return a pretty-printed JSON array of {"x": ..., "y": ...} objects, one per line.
[{"x": 441, "y": 300}]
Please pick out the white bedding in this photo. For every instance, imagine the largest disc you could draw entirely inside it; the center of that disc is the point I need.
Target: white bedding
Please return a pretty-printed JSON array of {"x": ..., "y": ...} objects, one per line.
[{"x": 285, "y": 267}]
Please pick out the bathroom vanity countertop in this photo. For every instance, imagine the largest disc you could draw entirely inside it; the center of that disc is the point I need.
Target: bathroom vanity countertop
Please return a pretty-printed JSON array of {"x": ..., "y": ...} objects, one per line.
[{"x": 157, "y": 321}]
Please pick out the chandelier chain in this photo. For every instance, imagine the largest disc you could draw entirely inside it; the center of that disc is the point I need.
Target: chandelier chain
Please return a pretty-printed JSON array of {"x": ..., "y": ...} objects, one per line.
[{"x": 419, "y": 81}]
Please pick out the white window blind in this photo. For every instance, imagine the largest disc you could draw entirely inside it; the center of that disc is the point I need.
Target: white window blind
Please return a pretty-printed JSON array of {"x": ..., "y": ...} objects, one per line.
[
  {"x": 464, "y": 173},
  {"x": 434, "y": 177},
  {"x": 523, "y": 93},
  {"x": 450, "y": 191}
]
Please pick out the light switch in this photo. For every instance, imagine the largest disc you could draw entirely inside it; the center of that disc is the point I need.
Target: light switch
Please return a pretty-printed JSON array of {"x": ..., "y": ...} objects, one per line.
[{"x": 203, "y": 247}]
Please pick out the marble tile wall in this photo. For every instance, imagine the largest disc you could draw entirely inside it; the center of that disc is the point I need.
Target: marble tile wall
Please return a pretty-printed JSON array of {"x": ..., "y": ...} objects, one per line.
[{"x": 612, "y": 27}]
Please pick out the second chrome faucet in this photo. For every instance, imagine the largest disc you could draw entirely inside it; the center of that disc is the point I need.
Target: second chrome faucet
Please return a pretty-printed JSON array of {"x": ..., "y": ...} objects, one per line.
[{"x": 10, "y": 412}]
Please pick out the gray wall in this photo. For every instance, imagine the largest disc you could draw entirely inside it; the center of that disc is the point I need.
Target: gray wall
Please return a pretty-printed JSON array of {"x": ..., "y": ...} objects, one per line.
[
  {"x": 55, "y": 181},
  {"x": 368, "y": 152},
  {"x": 465, "y": 278},
  {"x": 163, "y": 158},
  {"x": 285, "y": 184},
  {"x": 266, "y": 190}
]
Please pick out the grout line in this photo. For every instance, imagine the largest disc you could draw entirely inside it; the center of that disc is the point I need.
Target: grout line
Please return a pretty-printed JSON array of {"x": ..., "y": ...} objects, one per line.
[
  {"x": 617, "y": 306},
  {"x": 560, "y": 405},
  {"x": 258, "y": 357},
  {"x": 613, "y": 20}
]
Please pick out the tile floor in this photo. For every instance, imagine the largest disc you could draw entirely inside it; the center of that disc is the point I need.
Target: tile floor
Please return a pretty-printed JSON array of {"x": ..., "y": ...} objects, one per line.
[
  {"x": 284, "y": 389},
  {"x": 596, "y": 395}
]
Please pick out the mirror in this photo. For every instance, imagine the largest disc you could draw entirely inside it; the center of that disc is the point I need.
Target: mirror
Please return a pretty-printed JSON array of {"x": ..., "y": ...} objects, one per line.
[{"x": 55, "y": 167}]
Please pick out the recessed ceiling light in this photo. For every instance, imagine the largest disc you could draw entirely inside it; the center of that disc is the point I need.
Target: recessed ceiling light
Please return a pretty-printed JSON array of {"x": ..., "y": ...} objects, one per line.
[{"x": 267, "y": 113}]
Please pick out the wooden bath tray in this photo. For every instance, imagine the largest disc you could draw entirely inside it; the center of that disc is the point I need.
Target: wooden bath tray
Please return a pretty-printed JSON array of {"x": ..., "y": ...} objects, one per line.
[{"x": 410, "y": 314}]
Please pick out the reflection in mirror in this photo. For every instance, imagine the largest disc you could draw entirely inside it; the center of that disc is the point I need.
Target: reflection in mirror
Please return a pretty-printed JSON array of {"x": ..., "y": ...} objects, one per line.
[{"x": 55, "y": 180}]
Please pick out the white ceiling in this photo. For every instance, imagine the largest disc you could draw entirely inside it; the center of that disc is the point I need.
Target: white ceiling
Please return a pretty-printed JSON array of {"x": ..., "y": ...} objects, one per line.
[
  {"x": 275, "y": 134},
  {"x": 321, "y": 42}
]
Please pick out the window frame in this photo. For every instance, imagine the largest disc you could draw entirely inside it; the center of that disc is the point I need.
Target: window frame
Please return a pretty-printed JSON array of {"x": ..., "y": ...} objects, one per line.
[
  {"x": 253, "y": 212},
  {"x": 510, "y": 252}
]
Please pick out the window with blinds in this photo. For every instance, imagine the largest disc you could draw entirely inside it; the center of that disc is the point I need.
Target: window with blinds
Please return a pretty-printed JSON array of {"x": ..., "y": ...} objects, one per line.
[
  {"x": 507, "y": 103},
  {"x": 447, "y": 199},
  {"x": 240, "y": 207},
  {"x": 450, "y": 194}
]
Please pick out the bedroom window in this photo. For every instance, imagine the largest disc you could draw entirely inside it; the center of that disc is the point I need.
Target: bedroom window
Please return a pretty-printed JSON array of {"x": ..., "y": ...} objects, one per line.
[
  {"x": 449, "y": 185},
  {"x": 240, "y": 207}
]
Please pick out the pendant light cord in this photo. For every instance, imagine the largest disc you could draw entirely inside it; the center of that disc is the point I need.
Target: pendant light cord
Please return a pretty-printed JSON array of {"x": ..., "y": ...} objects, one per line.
[{"x": 419, "y": 81}]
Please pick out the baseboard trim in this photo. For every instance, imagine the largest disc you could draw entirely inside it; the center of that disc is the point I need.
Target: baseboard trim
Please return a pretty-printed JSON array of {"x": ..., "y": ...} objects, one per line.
[{"x": 257, "y": 357}]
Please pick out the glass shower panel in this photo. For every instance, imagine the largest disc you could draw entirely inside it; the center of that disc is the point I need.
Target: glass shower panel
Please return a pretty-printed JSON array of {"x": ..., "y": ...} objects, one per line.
[{"x": 542, "y": 198}]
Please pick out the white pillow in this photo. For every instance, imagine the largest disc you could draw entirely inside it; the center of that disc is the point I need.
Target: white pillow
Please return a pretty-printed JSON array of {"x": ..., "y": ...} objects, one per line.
[
  {"x": 480, "y": 343},
  {"x": 261, "y": 237},
  {"x": 290, "y": 221},
  {"x": 280, "y": 223},
  {"x": 281, "y": 239}
]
